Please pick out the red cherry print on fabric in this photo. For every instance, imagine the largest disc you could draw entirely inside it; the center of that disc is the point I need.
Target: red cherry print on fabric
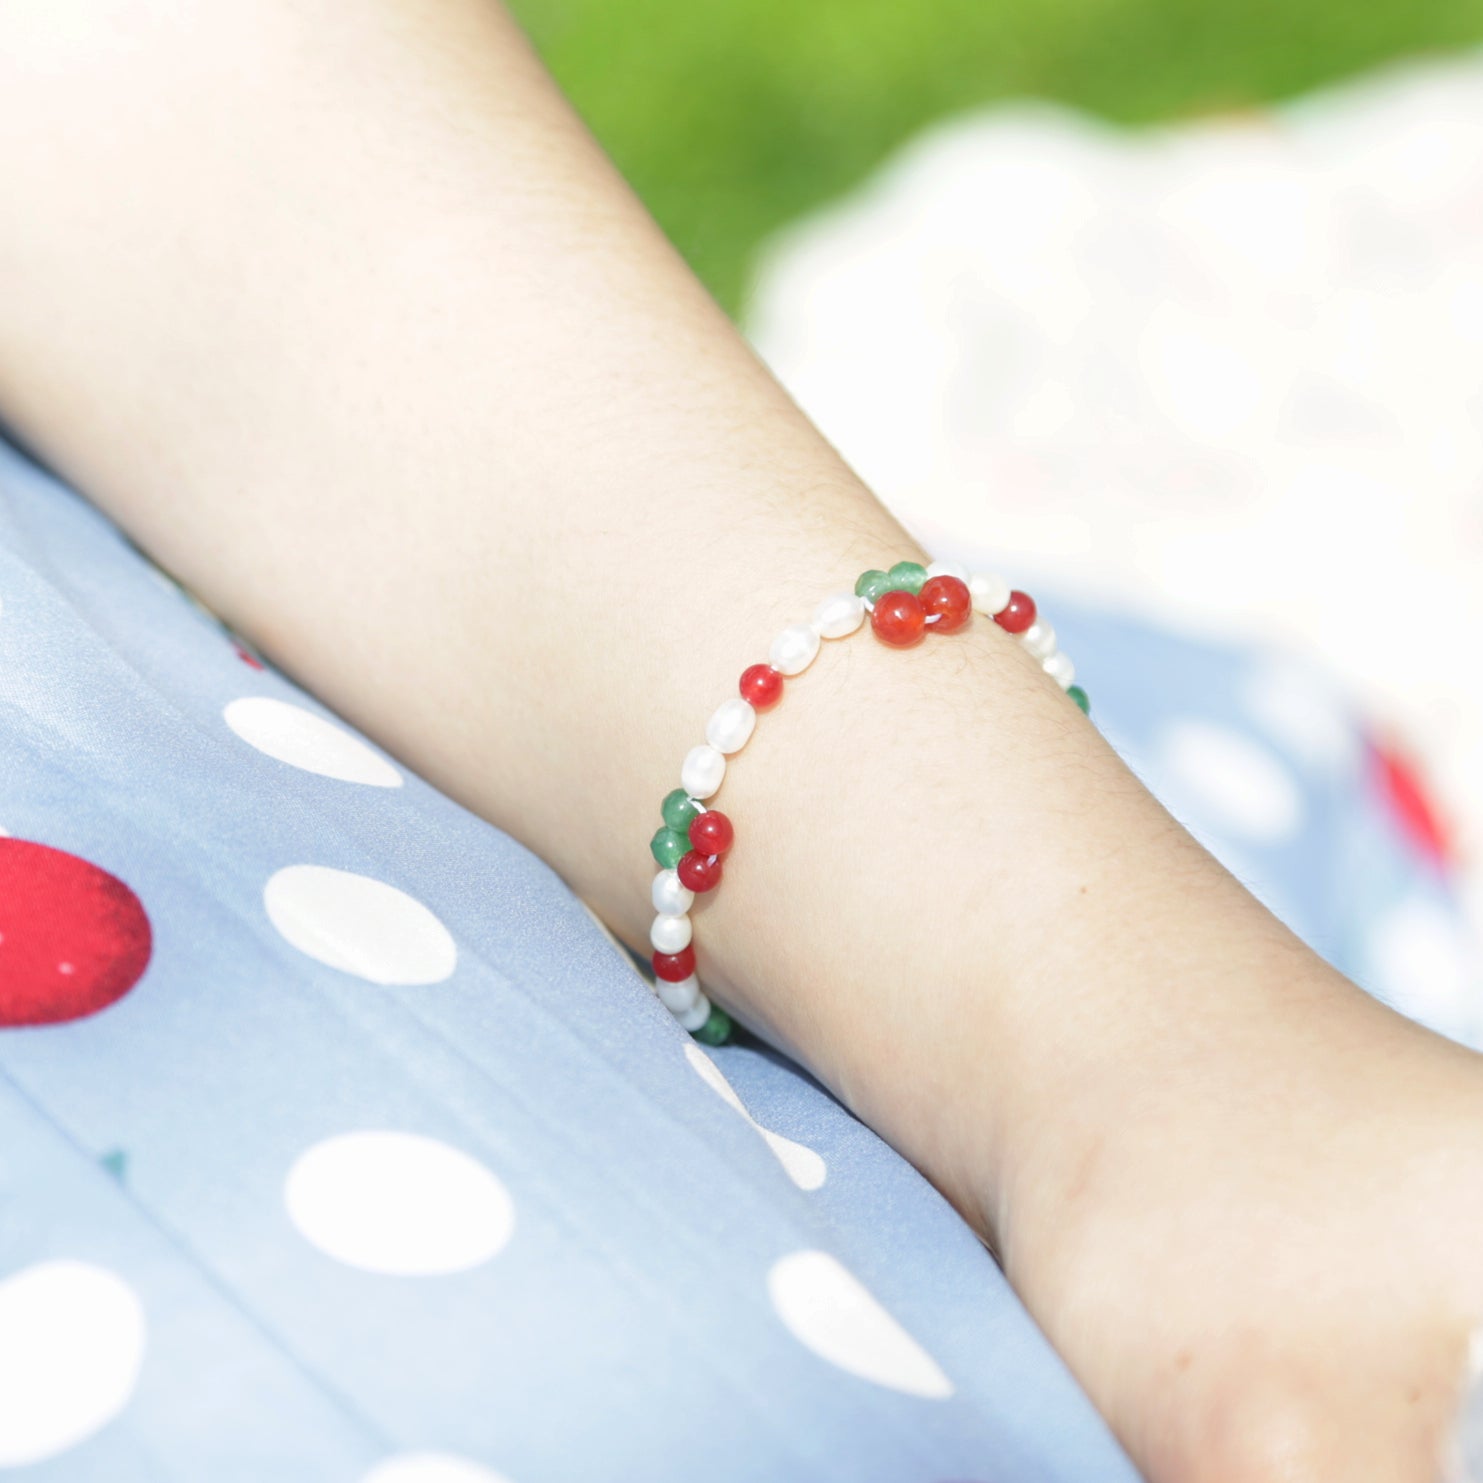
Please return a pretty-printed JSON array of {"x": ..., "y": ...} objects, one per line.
[
  {"x": 1409, "y": 800},
  {"x": 73, "y": 939}
]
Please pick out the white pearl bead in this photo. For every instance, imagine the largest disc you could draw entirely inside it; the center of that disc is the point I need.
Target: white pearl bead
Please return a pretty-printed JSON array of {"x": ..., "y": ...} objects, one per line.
[
  {"x": 990, "y": 593},
  {"x": 948, "y": 569},
  {"x": 839, "y": 616},
  {"x": 671, "y": 899},
  {"x": 1060, "y": 668},
  {"x": 698, "y": 1013},
  {"x": 1040, "y": 639},
  {"x": 729, "y": 728},
  {"x": 677, "y": 998},
  {"x": 670, "y": 934},
  {"x": 793, "y": 649},
  {"x": 703, "y": 769}
]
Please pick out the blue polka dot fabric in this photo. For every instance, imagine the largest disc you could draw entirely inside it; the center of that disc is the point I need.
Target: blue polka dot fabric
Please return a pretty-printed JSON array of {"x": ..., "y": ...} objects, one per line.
[
  {"x": 1316, "y": 812},
  {"x": 339, "y": 1144}
]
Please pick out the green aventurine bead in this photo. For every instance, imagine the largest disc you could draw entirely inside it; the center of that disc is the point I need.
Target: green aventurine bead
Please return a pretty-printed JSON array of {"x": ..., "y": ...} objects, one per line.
[
  {"x": 667, "y": 846},
  {"x": 717, "y": 1028},
  {"x": 678, "y": 809},
  {"x": 907, "y": 576},
  {"x": 872, "y": 585},
  {"x": 1080, "y": 697}
]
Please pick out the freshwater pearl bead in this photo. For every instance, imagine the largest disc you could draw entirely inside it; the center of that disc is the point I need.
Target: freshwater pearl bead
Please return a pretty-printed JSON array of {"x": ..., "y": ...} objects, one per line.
[
  {"x": 1060, "y": 668},
  {"x": 1040, "y": 639},
  {"x": 948, "y": 569},
  {"x": 731, "y": 726},
  {"x": 990, "y": 593},
  {"x": 703, "y": 769},
  {"x": 680, "y": 997},
  {"x": 671, "y": 899},
  {"x": 839, "y": 616},
  {"x": 670, "y": 934},
  {"x": 698, "y": 1013},
  {"x": 793, "y": 649}
]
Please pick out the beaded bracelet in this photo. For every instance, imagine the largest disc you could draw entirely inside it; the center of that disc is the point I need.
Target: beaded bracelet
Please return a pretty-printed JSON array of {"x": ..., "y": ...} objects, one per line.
[{"x": 903, "y": 604}]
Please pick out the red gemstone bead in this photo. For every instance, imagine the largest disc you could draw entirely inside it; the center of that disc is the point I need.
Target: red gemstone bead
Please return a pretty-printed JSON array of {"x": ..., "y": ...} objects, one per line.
[
  {"x": 699, "y": 872},
  {"x": 950, "y": 600},
  {"x": 673, "y": 967},
  {"x": 711, "y": 833},
  {"x": 761, "y": 686},
  {"x": 898, "y": 619},
  {"x": 1018, "y": 614}
]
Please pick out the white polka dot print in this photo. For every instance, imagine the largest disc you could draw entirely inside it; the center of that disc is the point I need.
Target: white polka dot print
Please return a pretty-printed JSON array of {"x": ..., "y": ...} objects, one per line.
[
  {"x": 398, "y": 1203},
  {"x": 1421, "y": 963},
  {"x": 292, "y": 734},
  {"x": 1226, "y": 782},
  {"x": 826, "y": 1308},
  {"x": 1299, "y": 711},
  {"x": 431, "y": 1467},
  {"x": 804, "y": 1167},
  {"x": 72, "y": 1340},
  {"x": 359, "y": 925}
]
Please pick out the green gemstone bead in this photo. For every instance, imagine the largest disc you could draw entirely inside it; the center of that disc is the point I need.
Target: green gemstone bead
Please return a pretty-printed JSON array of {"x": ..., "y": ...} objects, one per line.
[
  {"x": 872, "y": 585},
  {"x": 717, "y": 1028},
  {"x": 667, "y": 846},
  {"x": 1080, "y": 697},
  {"x": 907, "y": 576},
  {"x": 678, "y": 809}
]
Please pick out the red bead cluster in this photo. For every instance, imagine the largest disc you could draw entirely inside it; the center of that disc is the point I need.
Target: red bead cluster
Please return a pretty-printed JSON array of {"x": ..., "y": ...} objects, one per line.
[
  {"x": 901, "y": 618},
  {"x": 699, "y": 868}
]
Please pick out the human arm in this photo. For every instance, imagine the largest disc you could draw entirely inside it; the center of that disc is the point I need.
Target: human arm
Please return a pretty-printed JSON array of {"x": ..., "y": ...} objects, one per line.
[{"x": 342, "y": 315}]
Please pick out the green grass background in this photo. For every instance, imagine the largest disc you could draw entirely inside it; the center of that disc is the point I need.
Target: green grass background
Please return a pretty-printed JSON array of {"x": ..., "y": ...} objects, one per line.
[{"x": 732, "y": 117}]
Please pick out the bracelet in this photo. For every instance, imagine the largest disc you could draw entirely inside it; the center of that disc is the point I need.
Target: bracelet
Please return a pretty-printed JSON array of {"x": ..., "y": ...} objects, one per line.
[{"x": 904, "y": 604}]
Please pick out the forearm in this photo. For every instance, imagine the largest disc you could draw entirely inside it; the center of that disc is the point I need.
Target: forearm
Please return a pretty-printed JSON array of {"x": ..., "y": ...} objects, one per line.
[{"x": 339, "y": 312}]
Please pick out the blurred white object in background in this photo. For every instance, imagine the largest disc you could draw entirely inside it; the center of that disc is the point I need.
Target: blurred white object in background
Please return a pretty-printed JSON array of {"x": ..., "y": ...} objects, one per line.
[{"x": 1226, "y": 375}]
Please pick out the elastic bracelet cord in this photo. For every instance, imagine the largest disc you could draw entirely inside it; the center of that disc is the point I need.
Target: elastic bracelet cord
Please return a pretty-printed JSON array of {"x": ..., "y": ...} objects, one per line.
[{"x": 904, "y": 605}]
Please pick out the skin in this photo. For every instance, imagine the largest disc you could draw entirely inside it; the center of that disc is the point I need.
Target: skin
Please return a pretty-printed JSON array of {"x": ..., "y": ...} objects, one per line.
[{"x": 341, "y": 314}]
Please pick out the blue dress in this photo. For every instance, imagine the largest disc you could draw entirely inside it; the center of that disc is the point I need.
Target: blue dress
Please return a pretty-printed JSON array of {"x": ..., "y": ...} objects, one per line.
[{"x": 340, "y": 1144}]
